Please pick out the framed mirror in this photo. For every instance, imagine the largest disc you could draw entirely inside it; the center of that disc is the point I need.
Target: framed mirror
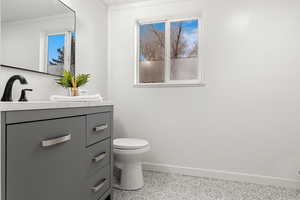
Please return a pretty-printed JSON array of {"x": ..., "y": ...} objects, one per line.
[{"x": 38, "y": 36}]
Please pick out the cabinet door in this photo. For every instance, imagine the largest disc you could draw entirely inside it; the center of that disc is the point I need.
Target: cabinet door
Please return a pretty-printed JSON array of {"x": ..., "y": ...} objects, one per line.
[{"x": 45, "y": 160}]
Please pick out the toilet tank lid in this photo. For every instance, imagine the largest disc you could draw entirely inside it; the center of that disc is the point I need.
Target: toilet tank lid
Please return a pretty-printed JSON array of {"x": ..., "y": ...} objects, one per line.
[{"x": 130, "y": 143}]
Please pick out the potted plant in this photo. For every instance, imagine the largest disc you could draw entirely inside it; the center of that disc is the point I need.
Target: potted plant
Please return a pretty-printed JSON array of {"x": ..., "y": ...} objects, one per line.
[{"x": 72, "y": 82}]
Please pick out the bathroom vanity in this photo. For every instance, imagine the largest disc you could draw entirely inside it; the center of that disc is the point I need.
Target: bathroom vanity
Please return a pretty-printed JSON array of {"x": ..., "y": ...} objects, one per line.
[{"x": 60, "y": 151}]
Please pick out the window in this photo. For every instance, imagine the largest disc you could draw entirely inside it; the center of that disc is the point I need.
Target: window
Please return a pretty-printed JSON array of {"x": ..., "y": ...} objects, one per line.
[
  {"x": 56, "y": 50},
  {"x": 168, "y": 53},
  {"x": 152, "y": 53},
  {"x": 59, "y": 51}
]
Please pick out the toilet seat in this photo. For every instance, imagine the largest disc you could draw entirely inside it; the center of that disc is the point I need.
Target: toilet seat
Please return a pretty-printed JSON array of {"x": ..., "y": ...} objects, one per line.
[
  {"x": 130, "y": 144},
  {"x": 132, "y": 151}
]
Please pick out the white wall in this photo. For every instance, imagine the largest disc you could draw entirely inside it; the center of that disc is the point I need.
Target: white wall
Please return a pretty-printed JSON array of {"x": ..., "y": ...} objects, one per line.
[
  {"x": 246, "y": 119},
  {"x": 91, "y": 54}
]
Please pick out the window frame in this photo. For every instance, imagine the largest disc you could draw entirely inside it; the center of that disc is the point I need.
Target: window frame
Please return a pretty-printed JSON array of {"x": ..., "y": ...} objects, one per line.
[{"x": 168, "y": 82}]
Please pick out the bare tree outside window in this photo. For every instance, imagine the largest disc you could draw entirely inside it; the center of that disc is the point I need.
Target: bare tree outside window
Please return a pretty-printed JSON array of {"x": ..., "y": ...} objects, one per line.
[
  {"x": 152, "y": 53},
  {"x": 184, "y": 50},
  {"x": 178, "y": 40}
]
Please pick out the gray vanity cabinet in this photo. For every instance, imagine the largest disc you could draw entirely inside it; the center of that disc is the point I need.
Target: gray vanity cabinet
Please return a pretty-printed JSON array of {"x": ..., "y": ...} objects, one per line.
[{"x": 53, "y": 155}]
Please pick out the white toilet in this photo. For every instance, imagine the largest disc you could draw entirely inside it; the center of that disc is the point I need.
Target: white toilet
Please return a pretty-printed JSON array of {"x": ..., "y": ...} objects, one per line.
[{"x": 128, "y": 154}]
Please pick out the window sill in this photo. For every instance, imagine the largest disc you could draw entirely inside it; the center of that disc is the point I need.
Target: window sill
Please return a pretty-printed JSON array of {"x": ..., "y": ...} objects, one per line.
[{"x": 171, "y": 84}]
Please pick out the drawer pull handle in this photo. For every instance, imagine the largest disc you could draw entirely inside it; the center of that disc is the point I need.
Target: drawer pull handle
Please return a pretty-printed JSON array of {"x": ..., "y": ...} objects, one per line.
[
  {"x": 99, "y": 186},
  {"x": 100, "y": 128},
  {"x": 99, "y": 157},
  {"x": 56, "y": 141}
]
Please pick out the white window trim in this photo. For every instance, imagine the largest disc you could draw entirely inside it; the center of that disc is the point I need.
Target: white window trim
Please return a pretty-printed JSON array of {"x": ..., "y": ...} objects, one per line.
[
  {"x": 168, "y": 83},
  {"x": 44, "y": 49}
]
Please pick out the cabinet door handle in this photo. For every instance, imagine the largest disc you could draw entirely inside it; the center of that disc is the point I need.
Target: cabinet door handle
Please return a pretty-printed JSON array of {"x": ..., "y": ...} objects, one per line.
[
  {"x": 56, "y": 141},
  {"x": 99, "y": 157},
  {"x": 101, "y": 128},
  {"x": 99, "y": 186}
]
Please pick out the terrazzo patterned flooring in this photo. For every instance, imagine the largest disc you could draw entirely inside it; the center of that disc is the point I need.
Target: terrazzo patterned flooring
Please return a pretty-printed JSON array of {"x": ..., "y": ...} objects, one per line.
[{"x": 164, "y": 186}]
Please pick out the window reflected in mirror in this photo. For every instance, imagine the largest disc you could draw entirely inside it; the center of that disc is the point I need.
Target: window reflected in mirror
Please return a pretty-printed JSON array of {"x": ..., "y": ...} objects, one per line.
[
  {"x": 60, "y": 52},
  {"x": 56, "y": 53}
]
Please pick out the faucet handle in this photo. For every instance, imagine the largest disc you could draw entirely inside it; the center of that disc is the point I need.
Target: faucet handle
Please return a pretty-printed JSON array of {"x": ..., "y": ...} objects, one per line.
[{"x": 23, "y": 95}]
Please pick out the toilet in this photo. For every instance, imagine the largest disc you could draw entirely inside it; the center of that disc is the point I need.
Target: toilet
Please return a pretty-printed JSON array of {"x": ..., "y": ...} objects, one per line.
[{"x": 128, "y": 153}]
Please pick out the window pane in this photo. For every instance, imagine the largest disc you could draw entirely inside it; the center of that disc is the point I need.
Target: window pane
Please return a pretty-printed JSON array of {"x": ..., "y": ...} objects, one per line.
[
  {"x": 184, "y": 50},
  {"x": 152, "y": 53},
  {"x": 56, "y": 48}
]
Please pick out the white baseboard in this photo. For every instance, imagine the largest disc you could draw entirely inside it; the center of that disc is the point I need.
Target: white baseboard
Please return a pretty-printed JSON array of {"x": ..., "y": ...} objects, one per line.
[{"x": 234, "y": 176}]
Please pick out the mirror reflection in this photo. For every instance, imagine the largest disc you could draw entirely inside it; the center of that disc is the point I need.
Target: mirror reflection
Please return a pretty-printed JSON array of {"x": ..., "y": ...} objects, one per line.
[{"x": 38, "y": 35}]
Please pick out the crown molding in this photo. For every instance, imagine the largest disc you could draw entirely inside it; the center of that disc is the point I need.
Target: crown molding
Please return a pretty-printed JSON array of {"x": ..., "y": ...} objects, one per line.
[{"x": 127, "y": 4}]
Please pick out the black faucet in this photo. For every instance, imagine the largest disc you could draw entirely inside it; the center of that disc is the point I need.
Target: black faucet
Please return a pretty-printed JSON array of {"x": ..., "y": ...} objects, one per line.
[
  {"x": 7, "y": 95},
  {"x": 23, "y": 95}
]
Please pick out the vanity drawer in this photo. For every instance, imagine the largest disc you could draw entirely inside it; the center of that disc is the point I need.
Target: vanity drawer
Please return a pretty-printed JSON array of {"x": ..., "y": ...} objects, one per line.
[
  {"x": 99, "y": 183},
  {"x": 98, "y": 127},
  {"x": 98, "y": 156}
]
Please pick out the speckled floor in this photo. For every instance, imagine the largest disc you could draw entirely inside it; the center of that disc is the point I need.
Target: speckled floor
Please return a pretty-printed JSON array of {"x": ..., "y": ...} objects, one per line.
[{"x": 163, "y": 186}]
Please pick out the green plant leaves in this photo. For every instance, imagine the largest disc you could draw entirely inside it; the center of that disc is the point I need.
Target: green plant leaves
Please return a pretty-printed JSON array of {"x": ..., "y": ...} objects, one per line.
[
  {"x": 66, "y": 80},
  {"x": 82, "y": 79}
]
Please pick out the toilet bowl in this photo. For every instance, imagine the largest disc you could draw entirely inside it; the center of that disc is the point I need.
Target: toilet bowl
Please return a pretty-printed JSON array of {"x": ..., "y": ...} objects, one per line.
[{"x": 128, "y": 154}]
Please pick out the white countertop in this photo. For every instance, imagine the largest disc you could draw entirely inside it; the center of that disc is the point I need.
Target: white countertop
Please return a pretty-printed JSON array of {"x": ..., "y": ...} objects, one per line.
[{"x": 38, "y": 105}]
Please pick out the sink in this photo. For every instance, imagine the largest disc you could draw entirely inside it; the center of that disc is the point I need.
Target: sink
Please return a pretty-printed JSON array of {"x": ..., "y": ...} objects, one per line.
[{"x": 36, "y": 105}]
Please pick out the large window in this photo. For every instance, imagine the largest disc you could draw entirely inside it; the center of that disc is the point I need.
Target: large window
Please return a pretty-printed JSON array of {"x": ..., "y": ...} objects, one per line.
[{"x": 168, "y": 52}]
